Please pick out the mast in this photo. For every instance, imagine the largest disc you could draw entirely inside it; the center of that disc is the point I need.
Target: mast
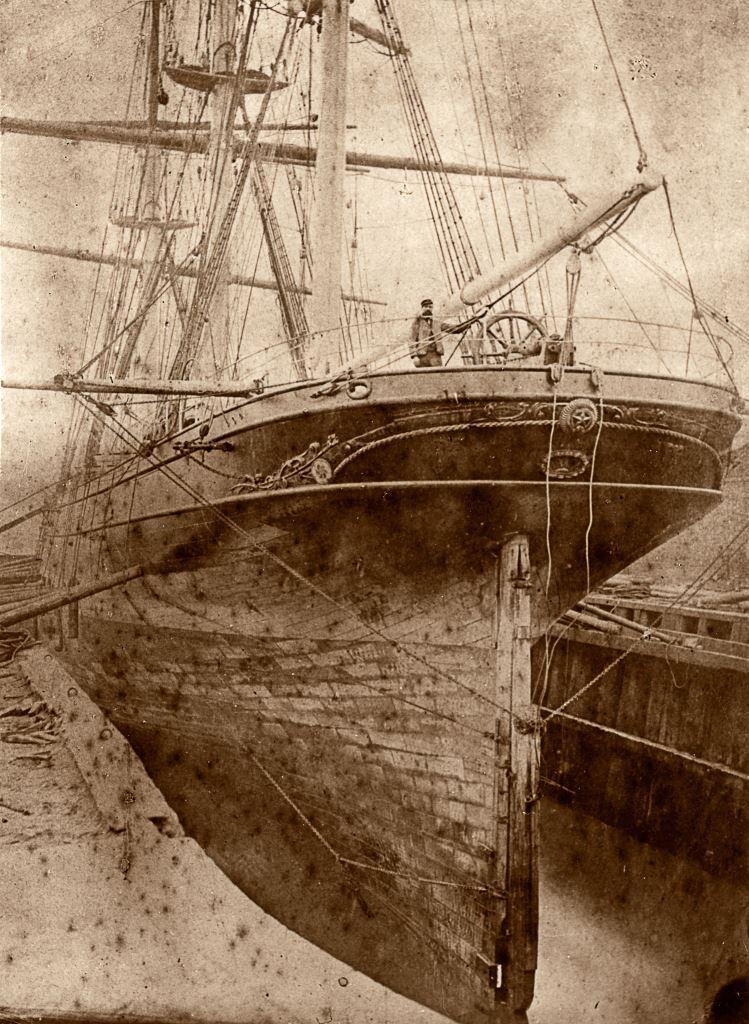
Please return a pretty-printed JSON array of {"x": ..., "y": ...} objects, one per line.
[
  {"x": 153, "y": 160},
  {"x": 223, "y": 104},
  {"x": 209, "y": 307},
  {"x": 330, "y": 169},
  {"x": 147, "y": 216}
]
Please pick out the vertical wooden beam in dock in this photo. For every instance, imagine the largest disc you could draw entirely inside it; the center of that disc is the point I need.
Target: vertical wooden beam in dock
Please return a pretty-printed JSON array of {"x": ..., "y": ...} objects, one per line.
[{"x": 516, "y": 778}]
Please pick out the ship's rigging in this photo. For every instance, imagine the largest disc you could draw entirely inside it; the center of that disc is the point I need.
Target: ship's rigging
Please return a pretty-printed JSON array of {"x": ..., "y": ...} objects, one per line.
[
  {"x": 160, "y": 272},
  {"x": 313, "y": 429}
]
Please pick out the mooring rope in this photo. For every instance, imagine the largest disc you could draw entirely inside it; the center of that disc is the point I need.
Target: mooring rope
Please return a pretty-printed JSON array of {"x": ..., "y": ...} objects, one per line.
[
  {"x": 653, "y": 744},
  {"x": 590, "y": 492}
]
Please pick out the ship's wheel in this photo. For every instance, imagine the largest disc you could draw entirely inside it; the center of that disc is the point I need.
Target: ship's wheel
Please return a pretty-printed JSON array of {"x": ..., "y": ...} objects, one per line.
[{"x": 511, "y": 333}]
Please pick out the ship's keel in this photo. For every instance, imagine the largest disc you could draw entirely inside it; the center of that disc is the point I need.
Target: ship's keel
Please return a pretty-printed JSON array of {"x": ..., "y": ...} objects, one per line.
[{"x": 518, "y": 741}]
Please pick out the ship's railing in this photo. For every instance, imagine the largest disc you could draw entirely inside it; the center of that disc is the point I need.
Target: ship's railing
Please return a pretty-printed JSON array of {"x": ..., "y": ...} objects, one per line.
[
  {"x": 624, "y": 344},
  {"x": 612, "y": 343}
]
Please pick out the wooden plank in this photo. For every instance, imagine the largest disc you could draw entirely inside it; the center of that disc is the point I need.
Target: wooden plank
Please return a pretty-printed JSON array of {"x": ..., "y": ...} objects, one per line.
[{"x": 518, "y": 945}]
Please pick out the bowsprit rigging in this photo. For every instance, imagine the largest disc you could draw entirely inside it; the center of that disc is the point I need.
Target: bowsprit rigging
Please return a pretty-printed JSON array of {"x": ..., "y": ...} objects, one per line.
[{"x": 458, "y": 256}]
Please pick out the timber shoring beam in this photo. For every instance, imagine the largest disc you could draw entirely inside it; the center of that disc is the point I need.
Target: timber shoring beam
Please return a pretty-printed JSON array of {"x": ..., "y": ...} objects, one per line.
[{"x": 62, "y": 598}]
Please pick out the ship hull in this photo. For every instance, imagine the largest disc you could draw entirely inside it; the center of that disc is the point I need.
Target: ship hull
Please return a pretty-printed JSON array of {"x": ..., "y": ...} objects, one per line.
[
  {"x": 347, "y": 788},
  {"x": 307, "y": 666},
  {"x": 425, "y": 472}
]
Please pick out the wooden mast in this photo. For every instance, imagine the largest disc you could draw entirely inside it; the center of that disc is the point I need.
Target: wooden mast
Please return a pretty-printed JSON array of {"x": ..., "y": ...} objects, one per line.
[
  {"x": 153, "y": 161},
  {"x": 223, "y": 104},
  {"x": 330, "y": 169},
  {"x": 147, "y": 216}
]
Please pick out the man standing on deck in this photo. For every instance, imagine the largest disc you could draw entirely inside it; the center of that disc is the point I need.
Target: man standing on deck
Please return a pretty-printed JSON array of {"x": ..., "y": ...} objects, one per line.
[{"x": 425, "y": 349}]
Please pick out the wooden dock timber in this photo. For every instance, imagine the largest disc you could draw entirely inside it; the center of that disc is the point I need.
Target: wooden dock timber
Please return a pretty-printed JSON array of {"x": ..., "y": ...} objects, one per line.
[{"x": 657, "y": 745}]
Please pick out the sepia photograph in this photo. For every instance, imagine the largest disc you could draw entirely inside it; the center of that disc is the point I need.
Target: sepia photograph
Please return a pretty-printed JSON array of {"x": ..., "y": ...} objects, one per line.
[{"x": 374, "y": 512}]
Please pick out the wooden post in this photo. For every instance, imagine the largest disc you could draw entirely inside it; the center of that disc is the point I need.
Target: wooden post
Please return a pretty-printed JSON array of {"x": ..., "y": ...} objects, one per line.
[{"x": 516, "y": 782}]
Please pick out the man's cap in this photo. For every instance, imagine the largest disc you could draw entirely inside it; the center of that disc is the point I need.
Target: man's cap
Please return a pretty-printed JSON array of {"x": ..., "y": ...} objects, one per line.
[{"x": 427, "y": 302}]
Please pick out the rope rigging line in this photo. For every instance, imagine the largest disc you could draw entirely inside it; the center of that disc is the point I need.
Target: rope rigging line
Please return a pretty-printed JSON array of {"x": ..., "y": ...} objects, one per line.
[
  {"x": 715, "y": 766},
  {"x": 458, "y": 256},
  {"x": 547, "y": 666},
  {"x": 296, "y": 327},
  {"x": 695, "y": 308},
  {"x": 514, "y": 90},
  {"x": 547, "y": 498},
  {"x": 138, "y": 318},
  {"x": 133, "y": 234},
  {"x": 117, "y": 296},
  {"x": 397, "y": 697},
  {"x": 214, "y": 262},
  {"x": 356, "y": 863},
  {"x": 262, "y": 232},
  {"x": 632, "y": 313},
  {"x": 289, "y": 299},
  {"x": 547, "y": 487},
  {"x": 704, "y": 307},
  {"x": 320, "y": 808},
  {"x": 549, "y": 654},
  {"x": 590, "y": 490},
  {"x": 119, "y": 299},
  {"x": 701, "y": 306},
  {"x": 464, "y": 149},
  {"x": 477, "y": 118},
  {"x": 611, "y": 228},
  {"x": 642, "y": 161}
]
